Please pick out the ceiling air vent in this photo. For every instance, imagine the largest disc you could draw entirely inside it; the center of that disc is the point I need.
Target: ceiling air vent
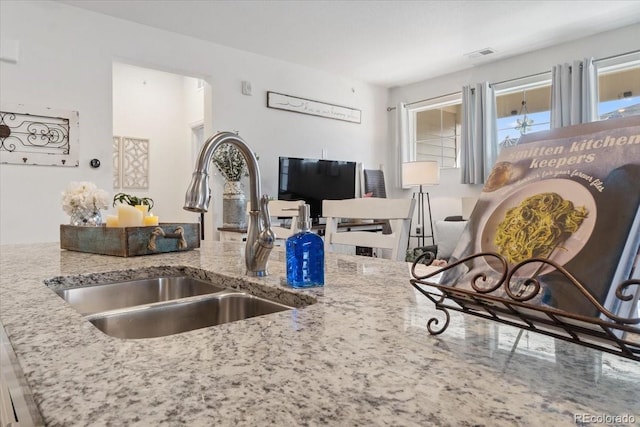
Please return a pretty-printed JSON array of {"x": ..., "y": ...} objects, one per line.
[{"x": 480, "y": 53}]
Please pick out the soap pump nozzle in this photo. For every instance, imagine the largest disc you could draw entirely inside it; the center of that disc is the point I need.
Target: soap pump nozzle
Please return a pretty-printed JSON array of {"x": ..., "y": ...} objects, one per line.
[{"x": 304, "y": 217}]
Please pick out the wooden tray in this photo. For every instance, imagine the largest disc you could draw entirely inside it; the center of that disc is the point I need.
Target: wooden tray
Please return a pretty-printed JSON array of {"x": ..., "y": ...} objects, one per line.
[{"x": 131, "y": 241}]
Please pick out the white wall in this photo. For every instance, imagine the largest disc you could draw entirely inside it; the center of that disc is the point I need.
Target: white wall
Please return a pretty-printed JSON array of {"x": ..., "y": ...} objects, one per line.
[
  {"x": 445, "y": 198},
  {"x": 66, "y": 57},
  {"x": 152, "y": 105}
]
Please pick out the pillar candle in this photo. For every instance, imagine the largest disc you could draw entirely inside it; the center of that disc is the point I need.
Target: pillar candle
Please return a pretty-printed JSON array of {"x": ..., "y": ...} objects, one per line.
[
  {"x": 150, "y": 219},
  {"x": 128, "y": 216},
  {"x": 143, "y": 208},
  {"x": 112, "y": 221}
]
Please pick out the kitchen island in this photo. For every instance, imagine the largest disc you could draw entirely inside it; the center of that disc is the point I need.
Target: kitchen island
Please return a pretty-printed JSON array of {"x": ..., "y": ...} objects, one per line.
[{"x": 358, "y": 354}]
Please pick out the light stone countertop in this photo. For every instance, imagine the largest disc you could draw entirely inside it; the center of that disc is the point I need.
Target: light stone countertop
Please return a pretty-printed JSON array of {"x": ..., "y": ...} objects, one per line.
[{"x": 360, "y": 355}]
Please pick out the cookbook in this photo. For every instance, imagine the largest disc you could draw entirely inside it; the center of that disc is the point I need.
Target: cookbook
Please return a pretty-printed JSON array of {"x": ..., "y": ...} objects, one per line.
[{"x": 570, "y": 196}]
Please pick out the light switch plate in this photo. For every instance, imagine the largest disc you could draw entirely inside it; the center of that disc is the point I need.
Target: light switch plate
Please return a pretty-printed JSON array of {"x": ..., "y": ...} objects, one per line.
[{"x": 246, "y": 88}]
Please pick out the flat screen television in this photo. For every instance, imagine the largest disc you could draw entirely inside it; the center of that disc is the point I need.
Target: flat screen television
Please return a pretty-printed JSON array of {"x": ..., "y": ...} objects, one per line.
[{"x": 314, "y": 180}]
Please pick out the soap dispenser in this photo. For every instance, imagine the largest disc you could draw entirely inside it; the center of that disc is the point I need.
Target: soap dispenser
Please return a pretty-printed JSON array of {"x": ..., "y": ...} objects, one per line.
[{"x": 305, "y": 254}]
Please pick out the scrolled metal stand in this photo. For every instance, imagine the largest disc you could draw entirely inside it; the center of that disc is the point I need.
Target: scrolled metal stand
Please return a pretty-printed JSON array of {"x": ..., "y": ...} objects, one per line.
[{"x": 608, "y": 332}]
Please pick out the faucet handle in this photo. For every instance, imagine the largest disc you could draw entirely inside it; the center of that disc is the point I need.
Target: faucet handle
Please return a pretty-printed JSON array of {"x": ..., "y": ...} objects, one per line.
[{"x": 264, "y": 212}]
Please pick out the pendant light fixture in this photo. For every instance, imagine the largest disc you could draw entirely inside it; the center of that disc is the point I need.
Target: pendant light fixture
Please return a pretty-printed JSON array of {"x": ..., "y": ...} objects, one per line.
[{"x": 524, "y": 123}]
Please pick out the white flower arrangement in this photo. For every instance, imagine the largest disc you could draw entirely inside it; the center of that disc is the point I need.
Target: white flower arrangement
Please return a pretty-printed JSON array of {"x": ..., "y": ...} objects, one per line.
[
  {"x": 84, "y": 195},
  {"x": 230, "y": 162}
]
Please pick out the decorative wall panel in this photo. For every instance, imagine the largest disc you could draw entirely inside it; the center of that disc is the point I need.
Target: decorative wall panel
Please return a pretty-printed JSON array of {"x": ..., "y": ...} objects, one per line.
[
  {"x": 130, "y": 162},
  {"x": 31, "y": 135},
  {"x": 117, "y": 178}
]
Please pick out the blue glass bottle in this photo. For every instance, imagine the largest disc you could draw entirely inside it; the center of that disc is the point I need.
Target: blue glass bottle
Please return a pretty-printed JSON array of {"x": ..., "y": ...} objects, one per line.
[{"x": 305, "y": 254}]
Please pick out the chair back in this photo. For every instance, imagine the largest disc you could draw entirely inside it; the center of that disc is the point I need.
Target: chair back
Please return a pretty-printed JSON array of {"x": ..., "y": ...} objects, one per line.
[
  {"x": 397, "y": 211},
  {"x": 374, "y": 183},
  {"x": 287, "y": 209},
  {"x": 375, "y": 186}
]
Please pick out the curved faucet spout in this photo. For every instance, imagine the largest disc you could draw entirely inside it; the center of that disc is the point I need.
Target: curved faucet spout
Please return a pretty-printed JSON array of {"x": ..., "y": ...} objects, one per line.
[{"x": 260, "y": 237}]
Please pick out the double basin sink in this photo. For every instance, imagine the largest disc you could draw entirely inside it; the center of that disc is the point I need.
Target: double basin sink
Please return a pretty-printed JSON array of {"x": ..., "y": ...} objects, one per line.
[{"x": 163, "y": 306}]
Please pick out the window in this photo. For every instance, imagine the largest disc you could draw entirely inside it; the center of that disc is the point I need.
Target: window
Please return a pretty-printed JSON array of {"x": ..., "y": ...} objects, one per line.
[
  {"x": 435, "y": 130},
  {"x": 619, "y": 86},
  {"x": 522, "y": 107}
]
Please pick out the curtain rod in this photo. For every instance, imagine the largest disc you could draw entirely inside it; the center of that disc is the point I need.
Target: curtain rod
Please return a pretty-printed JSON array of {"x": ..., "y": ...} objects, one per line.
[
  {"x": 423, "y": 100},
  {"x": 617, "y": 56},
  {"x": 549, "y": 71},
  {"x": 518, "y": 78},
  {"x": 453, "y": 93}
]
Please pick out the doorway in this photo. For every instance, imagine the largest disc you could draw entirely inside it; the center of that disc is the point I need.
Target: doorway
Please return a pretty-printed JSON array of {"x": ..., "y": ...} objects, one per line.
[{"x": 168, "y": 111}]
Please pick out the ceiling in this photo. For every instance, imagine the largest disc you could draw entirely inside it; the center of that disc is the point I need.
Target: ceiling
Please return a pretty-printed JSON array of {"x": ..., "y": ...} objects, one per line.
[{"x": 385, "y": 43}]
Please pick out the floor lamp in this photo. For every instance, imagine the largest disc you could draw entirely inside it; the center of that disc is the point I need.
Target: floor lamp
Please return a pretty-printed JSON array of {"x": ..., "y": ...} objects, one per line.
[{"x": 417, "y": 174}]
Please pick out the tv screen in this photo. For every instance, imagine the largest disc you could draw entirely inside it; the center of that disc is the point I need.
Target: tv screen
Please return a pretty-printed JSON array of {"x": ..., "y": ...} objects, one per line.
[{"x": 314, "y": 180}]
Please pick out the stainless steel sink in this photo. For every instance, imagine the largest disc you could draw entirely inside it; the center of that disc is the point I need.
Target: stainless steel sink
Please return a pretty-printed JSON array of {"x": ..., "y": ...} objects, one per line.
[
  {"x": 178, "y": 316},
  {"x": 163, "y": 306},
  {"x": 103, "y": 297}
]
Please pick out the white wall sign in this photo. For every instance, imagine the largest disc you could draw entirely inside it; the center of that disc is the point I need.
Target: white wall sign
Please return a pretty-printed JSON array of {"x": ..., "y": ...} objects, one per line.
[{"x": 315, "y": 108}]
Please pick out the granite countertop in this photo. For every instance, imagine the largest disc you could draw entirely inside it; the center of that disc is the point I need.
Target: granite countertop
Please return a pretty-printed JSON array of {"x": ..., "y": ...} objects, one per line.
[{"x": 359, "y": 355}]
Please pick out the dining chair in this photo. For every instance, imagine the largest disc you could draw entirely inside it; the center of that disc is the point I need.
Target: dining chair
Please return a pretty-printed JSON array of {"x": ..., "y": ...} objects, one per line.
[
  {"x": 397, "y": 211},
  {"x": 374, "y": 183},
  {"x": 374, "y": 186},
  {"x": 284, "y": 210}
]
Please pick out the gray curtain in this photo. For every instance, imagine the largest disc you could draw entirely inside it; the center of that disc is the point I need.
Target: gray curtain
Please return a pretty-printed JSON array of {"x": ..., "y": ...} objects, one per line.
[
  {"x": 574, "y": 93},
  {"x": 403, "y": 145},
  {"x": 479, "y": 138}
]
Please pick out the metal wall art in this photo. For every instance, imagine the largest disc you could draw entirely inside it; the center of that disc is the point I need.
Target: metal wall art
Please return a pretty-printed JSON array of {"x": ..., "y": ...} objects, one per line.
[
  {"x": 295, "y": 104},
  {"x": 130, "y": 162},
  {"x": 31, "y": 135}
]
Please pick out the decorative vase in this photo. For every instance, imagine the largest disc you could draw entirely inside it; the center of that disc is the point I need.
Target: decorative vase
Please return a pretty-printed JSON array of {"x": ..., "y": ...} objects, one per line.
[
  {"x": 234, "y": 205},
  {"x": 86, "y": 217}
]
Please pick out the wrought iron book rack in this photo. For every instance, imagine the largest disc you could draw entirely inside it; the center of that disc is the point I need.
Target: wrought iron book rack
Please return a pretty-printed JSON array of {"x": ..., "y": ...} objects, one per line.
[{"x": 505, "y": 302}]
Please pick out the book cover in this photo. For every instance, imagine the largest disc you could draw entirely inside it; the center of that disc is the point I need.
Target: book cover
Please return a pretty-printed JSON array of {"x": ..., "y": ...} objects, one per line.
[{"x": 571, "y": 196}]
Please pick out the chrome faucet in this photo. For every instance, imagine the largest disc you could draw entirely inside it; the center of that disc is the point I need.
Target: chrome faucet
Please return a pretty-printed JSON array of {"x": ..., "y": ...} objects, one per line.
[{"x": 260, "y": 237}]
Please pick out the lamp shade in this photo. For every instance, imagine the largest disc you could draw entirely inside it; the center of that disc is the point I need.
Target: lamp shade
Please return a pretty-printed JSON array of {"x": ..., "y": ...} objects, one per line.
[{"x": 420, "y": 173}]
